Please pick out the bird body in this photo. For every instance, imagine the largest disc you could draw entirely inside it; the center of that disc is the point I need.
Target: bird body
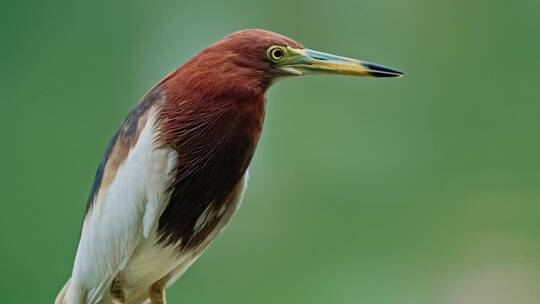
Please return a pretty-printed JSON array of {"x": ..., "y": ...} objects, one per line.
[
  {"x": 176, "y": 170},
  {"x": 132, "y": 194}
]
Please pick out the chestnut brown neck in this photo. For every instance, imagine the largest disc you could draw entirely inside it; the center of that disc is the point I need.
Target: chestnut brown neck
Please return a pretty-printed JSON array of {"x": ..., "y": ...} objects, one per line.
[{"x": 214, "y": 133}]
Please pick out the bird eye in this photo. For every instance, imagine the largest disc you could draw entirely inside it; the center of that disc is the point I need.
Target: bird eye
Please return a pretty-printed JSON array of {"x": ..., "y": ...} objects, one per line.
[{"x": 275, "y": 53}]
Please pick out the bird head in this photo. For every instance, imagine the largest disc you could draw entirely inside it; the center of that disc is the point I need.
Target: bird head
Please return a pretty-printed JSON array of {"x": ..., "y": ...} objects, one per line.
[{"x": 253, "y": 59}]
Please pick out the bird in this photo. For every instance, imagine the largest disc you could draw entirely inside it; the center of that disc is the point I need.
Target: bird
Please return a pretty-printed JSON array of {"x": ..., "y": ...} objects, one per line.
[{"x": 176, "y": 170}]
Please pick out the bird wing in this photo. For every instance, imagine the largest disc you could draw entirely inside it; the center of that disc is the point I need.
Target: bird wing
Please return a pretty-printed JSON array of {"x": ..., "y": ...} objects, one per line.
[{"x": 128, "y": 195}]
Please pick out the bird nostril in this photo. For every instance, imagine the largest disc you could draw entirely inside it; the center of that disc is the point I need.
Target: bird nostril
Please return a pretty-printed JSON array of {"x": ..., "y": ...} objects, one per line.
[{"x": 319, "y": 58}]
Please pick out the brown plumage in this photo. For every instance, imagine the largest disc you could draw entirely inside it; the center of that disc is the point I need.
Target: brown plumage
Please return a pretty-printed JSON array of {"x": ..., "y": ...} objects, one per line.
[
  {"x": 213, "y": 119},
  {"x": 173, "y": 174}
]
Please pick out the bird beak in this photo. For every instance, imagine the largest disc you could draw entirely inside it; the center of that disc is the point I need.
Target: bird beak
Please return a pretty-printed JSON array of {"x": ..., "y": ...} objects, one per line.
[{"x": 305, "y": 61}]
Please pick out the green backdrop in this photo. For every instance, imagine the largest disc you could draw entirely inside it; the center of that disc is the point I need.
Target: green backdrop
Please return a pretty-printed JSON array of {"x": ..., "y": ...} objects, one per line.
[{"x": 417, "y": 190}]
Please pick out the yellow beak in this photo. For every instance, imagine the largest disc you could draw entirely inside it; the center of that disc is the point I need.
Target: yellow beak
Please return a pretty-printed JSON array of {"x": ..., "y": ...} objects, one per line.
[{"x": 304, "y": 61}]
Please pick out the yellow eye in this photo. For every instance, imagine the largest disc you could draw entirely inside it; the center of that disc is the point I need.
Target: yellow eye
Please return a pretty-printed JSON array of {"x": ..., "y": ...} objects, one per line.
[{"x": 275, "y": 53}]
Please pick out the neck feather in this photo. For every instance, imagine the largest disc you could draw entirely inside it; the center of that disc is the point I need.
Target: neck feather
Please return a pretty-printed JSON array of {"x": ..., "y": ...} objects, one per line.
[{"x": 215, "y": 136}]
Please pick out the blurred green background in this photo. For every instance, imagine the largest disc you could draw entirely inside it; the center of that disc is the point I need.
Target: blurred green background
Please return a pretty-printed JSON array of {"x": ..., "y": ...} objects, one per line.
[{"x": 417, "y": 190}]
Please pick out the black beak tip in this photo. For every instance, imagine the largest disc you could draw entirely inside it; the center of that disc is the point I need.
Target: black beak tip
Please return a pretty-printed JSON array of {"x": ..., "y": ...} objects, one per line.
[{"x": 378, "y": 70}]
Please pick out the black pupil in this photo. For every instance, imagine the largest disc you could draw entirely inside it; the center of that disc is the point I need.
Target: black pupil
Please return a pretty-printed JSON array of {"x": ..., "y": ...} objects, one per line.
[{"x": 278, "y": 53}]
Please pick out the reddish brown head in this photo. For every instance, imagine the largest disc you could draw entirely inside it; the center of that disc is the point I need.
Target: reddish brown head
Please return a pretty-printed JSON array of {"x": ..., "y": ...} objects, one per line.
[
  {"x": 237, "y": 64},
  {"x": 247, "y": 61}
]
